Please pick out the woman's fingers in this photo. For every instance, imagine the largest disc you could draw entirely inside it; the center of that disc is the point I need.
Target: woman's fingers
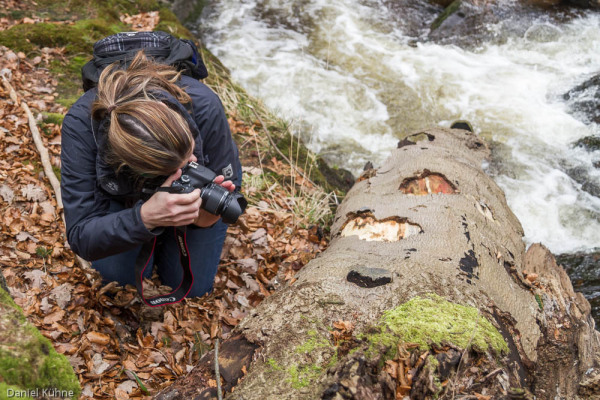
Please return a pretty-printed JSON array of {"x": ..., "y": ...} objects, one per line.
[
  {"x": 172, "y": 178},
  {"x": 220, "y": 180}
]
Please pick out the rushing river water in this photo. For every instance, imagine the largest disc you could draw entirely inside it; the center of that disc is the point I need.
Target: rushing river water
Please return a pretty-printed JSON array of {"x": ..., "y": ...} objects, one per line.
[{"x": 355, "y": 79}]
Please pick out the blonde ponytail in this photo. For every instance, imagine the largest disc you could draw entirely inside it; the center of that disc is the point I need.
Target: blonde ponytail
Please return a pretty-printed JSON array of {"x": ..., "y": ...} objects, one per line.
[{"x": 144, "y": 134}]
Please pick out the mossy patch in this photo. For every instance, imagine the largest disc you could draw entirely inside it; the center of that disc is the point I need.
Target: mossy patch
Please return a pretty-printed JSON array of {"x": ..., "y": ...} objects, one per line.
[
  {"x": 432, "y": 320},
  {"x": 52, "y": 118},
  {"x": 8, "y": 391},
  {"x": 313, "y": 342},
  {"x": 106, "y": 9},
  {"x": 303, "y": 376},
  {"x": 76, "y": 39},
  {"x": 27, "y": 359},
  {"x": 304, "y": 373}
]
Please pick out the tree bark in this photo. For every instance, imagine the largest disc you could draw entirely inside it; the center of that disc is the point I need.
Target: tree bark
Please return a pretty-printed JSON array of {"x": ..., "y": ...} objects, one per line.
[{"x": 427, "y": 237}]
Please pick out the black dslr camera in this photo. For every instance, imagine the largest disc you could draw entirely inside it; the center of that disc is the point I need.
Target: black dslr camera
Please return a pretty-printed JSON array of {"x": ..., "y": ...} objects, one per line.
[{"x": 215, "y": 198}]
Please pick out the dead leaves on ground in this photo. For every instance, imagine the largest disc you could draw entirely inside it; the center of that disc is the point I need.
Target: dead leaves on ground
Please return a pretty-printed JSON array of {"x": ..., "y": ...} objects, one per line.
[
  {"x": 142, "y": 22},
  {"x": 118, "y": 347}
]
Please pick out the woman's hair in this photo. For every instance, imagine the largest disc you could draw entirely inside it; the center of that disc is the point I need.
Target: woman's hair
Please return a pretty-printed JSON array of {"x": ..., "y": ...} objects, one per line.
[{"x": 144, "y": 134}]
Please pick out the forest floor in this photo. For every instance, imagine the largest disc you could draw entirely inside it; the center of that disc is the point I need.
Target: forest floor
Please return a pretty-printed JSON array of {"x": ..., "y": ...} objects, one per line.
[{"x": 118, "y": 347}]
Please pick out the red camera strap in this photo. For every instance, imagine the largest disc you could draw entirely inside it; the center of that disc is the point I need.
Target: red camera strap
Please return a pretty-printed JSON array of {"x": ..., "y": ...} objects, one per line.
[{"x": 143, "y": 259}]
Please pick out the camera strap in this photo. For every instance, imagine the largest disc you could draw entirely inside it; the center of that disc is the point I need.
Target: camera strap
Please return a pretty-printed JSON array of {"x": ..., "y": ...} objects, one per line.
[{"x": 187, "y": 281}]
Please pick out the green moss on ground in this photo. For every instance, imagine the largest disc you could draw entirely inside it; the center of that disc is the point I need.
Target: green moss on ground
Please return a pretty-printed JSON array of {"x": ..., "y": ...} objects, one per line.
[
  {"x": 52, "y": 118},
  {"x": 27, "y": 359},
  {"x": 81, "y": 9},
  {"x": 432, "y": 320},
  {"x": 76, "y": 39},
  {"x": 7, "y": 392}
]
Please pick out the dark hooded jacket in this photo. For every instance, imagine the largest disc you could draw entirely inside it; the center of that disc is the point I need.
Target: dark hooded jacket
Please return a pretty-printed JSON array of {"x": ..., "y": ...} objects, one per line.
[{"x": 88, "y": 184}]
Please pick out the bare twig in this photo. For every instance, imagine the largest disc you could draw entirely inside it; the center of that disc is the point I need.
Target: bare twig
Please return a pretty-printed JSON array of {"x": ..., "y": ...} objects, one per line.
[
  {"x": 44, "y": 155},
  {"x": 218, "y": 375},
  {"x": 37, "y": 139}
]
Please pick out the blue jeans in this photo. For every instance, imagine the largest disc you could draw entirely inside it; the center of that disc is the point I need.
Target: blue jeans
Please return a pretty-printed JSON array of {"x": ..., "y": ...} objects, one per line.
[{"x": 204, "y": 245}]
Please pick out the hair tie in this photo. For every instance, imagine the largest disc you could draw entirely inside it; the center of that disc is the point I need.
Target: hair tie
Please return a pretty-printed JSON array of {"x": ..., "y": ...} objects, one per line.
[{"x": 110, "y": 109}]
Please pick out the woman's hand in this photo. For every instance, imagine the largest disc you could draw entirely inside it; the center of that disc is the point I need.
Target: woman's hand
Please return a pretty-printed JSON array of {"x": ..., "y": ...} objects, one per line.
[
  {"x": 171, "y": 209},
  {"x": 206, "y": 219},
  {"x": 220, "y": 180}
]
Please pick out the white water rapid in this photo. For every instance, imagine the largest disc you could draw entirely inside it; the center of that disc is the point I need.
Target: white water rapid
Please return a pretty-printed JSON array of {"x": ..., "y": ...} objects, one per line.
[{"x": 355, "y": 84}]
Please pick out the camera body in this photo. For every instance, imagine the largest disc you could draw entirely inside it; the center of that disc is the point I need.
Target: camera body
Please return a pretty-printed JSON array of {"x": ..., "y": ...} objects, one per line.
[{"x": 215, "y": 199}]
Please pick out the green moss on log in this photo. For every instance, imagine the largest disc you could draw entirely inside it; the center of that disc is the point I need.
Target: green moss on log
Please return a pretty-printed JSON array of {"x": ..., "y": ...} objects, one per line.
[
  {"x": 313, "y": 342},
  {"x": 27, "y": 359},
  {"x": 432, "y": 320}
]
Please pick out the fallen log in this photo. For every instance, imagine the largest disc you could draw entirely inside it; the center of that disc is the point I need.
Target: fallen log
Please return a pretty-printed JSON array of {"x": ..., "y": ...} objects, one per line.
[{"x": 426, "y": 291}]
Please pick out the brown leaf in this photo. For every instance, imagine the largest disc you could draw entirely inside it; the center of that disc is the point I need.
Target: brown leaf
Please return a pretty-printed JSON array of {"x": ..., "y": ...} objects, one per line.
[
  {"x": 62, "y": 294},
  {"x": 99, "y": 366},
  {"x": 97, "y": 337},
  {"x": 36, "y": 277},
  {"x": 54, "y": 317}
]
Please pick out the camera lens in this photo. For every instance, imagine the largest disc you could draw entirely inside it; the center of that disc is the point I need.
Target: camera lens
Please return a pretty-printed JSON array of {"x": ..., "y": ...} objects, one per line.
[
  {"x": 234, "y": 206},
  {"x": 213, "y": 198},
  {"x": 218, "y": 201}
]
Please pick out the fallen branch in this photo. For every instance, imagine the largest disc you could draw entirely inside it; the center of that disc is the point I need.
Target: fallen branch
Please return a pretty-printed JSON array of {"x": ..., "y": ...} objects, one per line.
[
  {"x": 44, "y": 155},
  {"x": 217, "y": 373}
]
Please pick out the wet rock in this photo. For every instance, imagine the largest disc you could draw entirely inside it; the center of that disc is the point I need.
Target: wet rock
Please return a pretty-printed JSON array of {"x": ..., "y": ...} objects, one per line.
[
  {"x": 583, "y": 100},
  {"x": 339, "y": 178},
  {"x": 584, "y": 271},
  {"x": 545, "y": 3},
  {"x": 582, "y": 176},
  {"x": 470, "y": 23},
  {"x": 467, "y": 23},
  {"x": 584, "y": 3},
  {"x": 413, "y": 17},
  {"x": 464, "y": 125},
  {"x": 443, "y": 3},
  {"x": 369, "y": 277},
  {"x": 543, "y": 33},
  {"x": 590, "y": 143},
  {"x": 501, "y": 161}
]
